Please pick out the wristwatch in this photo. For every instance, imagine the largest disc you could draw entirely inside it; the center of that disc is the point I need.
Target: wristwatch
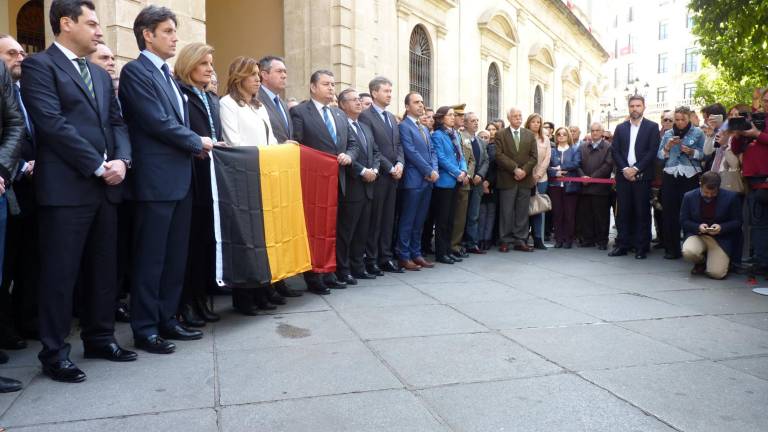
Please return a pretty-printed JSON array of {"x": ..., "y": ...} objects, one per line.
[{"x": 127, "y": 163}]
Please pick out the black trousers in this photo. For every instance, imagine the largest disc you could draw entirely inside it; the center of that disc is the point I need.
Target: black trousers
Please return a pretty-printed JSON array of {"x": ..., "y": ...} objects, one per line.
[
  {"x": 71, "y": 237},
  {"x": 161, "y": 242},
  {"x": 429, "y": 231},
  {"x": 378, "y": 248},
  {"x": 633, "y": 219},
  {"x": 351, "y": 235},
  {"x": 124, "y": 246},
  {"x": 672, "y": 197},
  {"x": 594, "y": 217},
  {"x": 444, "y": 206},
  {"x": 201, "y": 262}
]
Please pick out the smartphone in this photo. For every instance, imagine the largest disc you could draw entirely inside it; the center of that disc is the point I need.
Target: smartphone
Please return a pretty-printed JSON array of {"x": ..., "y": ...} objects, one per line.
[{"x": 717, "y": 117}]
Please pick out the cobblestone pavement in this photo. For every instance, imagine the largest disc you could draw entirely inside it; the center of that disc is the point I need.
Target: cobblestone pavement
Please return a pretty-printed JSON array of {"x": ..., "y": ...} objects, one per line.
[{"x": 549, "y": 341}]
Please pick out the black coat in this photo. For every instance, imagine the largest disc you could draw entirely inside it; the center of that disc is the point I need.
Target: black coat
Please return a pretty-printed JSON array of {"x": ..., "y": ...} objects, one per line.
[{"x": 199, "y": 123}]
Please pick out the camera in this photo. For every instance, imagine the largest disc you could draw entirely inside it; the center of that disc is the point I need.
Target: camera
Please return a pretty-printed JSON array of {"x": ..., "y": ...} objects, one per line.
[
  {"x": 758, "y": 119},
  {"x": 745, "y": 121}
]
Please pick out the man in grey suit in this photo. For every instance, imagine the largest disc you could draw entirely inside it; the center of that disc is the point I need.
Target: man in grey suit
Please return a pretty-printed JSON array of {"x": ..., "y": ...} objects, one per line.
[
  {"x": 274, "y": 76},
  {"x": 479, "y": 150},
  {"x": 387, "y": 136},
  {"x": 326, "y": 128}
]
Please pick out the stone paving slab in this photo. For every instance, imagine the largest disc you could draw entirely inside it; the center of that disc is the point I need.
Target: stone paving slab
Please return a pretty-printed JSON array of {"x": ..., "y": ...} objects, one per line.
[
  {"x": 706, "y": 336},
  {"x": 524, "y": 313},
  {"x": 406, "y": 321},
  {"x": 701, "y": 396},
  {"x": 565, "y": 286},
  {"x": 625, "y": 307},
  {"x": 480, "y": 291},
  {"x": 438, "y": 360},
  {"x": 202, "y": 420},
  {"x": 294, "y": 372},
  {"x": 562, "y": 403},
  {"x": 381, "y": 411},
  {"x": 365, "y": 295},
  {"x": 755, "y": 366},
  {"x": 717, "y": 300},
  {"x": 600, "y": 346},
  {"x": 756, "y": 320}
]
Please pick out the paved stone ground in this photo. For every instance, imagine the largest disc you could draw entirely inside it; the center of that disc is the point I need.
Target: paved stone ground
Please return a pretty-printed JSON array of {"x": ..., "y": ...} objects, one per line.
[{"x": 549, "y": 341}]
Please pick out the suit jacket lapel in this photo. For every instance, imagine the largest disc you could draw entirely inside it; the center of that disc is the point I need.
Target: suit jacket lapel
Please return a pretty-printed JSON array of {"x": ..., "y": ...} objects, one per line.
[
  {"x": 320, "y": 123},
  {"x": 163, "y": 83},
  {"x": 340, "y": 123},
  {"x": 66, "y": 65}
]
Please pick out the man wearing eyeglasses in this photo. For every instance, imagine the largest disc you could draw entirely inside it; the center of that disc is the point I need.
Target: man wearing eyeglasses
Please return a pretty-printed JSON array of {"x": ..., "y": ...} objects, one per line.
[{"x": 595, "y": 200}]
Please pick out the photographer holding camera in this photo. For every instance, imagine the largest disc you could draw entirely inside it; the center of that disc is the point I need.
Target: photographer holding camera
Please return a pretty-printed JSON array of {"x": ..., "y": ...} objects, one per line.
[
  {"x": 752, "y": 143},
  {"x": 711, "y": 220}
]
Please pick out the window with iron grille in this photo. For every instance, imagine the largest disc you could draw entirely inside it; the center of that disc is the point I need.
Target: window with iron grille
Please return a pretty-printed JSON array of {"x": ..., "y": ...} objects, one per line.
[
  {"x": 538, "y": 100},
  {"x": 567, "y": 113},
  {"x": 494, "y": 92},
  {"x": 691, "y": 60},
  {"x": 421, "y": 64}
]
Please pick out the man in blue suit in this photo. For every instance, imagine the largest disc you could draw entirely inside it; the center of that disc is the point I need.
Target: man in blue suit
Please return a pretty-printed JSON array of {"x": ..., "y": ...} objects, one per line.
[
  {"x": 416, "y": 187},
  {"x": 711, "y": 220},
  {"x": 83, "y": 152},
  {"x": 158, "y": 121},
  {"x": 635, "y": 144}
]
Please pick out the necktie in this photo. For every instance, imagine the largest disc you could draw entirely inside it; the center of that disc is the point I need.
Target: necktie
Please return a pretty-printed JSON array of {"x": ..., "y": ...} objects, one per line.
[
  {"x": 282, "y": 113},
  {"x": 360, "y": 133},
  {"x": 386, "y": 119},
  {"x": 516, "y": 135},
  {"x": 85, "y": 74},
  {"x": 23, "y": 109},
  {"x": 423, "y": 135},
  {"x": 328, "y": 124},
  {"x": 172, "y": 87}
]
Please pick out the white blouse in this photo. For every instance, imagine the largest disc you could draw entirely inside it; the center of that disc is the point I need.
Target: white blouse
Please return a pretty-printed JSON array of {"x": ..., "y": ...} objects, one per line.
[{"x": 245, "y": 125}]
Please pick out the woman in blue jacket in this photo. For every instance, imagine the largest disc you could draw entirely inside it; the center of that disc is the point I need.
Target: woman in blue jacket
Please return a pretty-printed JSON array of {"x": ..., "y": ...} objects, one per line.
[
  {"x": 565, "y": 162},
  {"x": 452, "y": 168}
]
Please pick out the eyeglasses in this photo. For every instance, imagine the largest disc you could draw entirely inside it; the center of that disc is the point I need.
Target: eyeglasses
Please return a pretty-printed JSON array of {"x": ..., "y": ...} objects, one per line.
[
  {"x": 667, "y": 120},
  {"x": 596, "y": 130},
  {"x": 13, "y": 53},
  {"x": 562, "y": 134}
]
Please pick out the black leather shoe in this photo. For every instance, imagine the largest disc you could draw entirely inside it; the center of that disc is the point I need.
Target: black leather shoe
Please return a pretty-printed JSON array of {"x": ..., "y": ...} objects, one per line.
[
  {"x": 64, "y": 371},
  {"x": 122, "y": 313},
  {"x": 445, "y": 259},
  {"x": 282, "y": 288},
  {"x": 392, "y": 267},
  {"x": 567, "y": 245},
  {"x": 455, "y": 258},
  {"x": 318, "y": 287},
  {"x": 374, "y": 270},
  {"x": 346, "y": 279},
  {"x": 10, "y": 339},
  {"x": 641, "y": 255},
  {"x": 179, "y": 332},
  {"x": 672, "y": 256},
  {"x": 539, "y": 244},
  {"x": 333, "y": 282},
  {"x": 461, "y": 253},
  {"x": 658, "y": 246},
  {"x": 9, "y": 385},
  {"x": 363, "y": 275},
  {"x": 111, "y": 352},
  {"x": 205, "y": 311},
  {"x": 617, "y": 251},
  {"x": 190, "y": 317},
  {"x": 155, "y": 345},
  {"x": 276, "y": 299}
]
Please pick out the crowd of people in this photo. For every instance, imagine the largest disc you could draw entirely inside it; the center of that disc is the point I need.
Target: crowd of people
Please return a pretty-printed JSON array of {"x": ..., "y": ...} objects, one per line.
[{"x": 106, "y": 188}]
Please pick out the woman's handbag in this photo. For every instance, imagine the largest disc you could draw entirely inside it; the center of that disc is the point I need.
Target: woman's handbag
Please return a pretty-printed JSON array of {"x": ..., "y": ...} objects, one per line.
[
  {"x": 540, "y": 203},
  {"x": 732, "y": 181}
]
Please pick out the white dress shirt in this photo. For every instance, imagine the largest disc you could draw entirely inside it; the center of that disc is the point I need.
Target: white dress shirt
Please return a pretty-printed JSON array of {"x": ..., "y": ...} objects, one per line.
[
  {"x": 158, "y": 62},
  {"x": 320, "y": 107},
  {"x": 245, "y": 125},
  {"x": 633, "y": 130}
]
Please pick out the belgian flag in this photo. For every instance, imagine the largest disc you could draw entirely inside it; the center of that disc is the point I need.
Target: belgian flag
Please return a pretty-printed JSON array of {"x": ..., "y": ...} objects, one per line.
[{"x": 274, "y": 212}]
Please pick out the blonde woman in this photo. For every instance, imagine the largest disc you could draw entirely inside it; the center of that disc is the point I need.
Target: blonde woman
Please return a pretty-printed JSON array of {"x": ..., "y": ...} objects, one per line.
[
  {"x": 244, "y": 119},
  {"x": 544, "y": 153}
]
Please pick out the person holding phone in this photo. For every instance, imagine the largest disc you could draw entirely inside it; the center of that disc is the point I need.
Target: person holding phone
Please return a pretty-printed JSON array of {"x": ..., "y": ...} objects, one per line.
[
  {"x": 711, "y": 219},
  {"x": 682, "y": 149}
]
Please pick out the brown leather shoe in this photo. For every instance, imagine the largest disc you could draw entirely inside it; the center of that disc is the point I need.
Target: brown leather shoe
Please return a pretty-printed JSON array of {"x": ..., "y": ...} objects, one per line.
[
  {"x": 423, "y": 262},
  {"x": 409, "y": 265},
  {"x": 503, "y": 247},
  {"x": 523, "y": 248}
]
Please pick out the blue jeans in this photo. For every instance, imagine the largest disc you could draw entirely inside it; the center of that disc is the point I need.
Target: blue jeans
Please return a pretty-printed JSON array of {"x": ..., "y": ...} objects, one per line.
[
  {"x": 759, "y": 215},
  {"x": 3, "y": 226},
  {"x": 537, "y": 221},
  {"x": 472, "y": 231}
]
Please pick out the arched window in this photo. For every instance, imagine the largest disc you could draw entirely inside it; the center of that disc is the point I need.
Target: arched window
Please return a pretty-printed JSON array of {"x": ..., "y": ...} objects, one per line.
[
  {"x": 30, "y": 26},
  {"x": 567, "y": 119},
  {"x": 421, "y": 64},
  {"x": 494, "y": 92},
  {"x": 538, "y": 101}
]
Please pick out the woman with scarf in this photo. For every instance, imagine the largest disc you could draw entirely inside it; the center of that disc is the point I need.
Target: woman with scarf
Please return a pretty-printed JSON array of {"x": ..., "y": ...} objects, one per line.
[
  {"x": 681, "y": 149},
  {"x": 452, "y": 168}
]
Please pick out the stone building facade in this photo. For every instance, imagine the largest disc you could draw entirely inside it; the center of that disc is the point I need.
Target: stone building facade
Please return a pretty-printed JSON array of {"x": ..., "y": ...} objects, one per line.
[{"x": 490, "y": 54}]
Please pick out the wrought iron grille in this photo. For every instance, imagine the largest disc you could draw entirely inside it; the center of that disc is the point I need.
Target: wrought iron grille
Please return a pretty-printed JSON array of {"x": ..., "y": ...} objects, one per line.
[
  {"x": 494, "y": 92},
  {"x": 538, "y": 101},
  {"x": 421, "y": 64}
]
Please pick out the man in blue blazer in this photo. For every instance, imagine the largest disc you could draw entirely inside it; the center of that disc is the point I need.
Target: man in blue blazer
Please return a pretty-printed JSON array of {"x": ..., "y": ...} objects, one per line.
[
  {"x": 635, "y": 144},
  {"x": 711, "y": 220},
  {"x": 158, "y": 121},
  {"x": 83, "y": 152},
  {"x": 416, "y": 187}
]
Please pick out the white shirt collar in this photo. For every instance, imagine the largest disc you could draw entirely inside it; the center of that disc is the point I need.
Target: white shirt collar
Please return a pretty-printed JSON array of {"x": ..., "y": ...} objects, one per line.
[
  {"x": 414, "y": 119},
  {"x": 269, "y": 92},
  {"x": 378, "y": 108},
  {"x": 70, "y": 55},
  {"x": 318, "y": 105},
  {"x": 157, "y": 61}
]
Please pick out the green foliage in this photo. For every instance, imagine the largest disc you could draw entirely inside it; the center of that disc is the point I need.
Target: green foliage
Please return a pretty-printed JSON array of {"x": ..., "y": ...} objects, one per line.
[
  {"x": 733, "y": 35},
  {"x": 714, "y": 86}
]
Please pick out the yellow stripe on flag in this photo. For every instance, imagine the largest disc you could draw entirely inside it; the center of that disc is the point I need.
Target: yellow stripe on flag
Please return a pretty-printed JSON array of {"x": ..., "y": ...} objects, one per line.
[{"x": 285, "y": 230}]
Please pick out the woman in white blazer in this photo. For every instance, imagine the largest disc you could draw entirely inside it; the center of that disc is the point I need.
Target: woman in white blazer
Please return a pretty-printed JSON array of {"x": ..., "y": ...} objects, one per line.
[{"x": 244, "y": 120}]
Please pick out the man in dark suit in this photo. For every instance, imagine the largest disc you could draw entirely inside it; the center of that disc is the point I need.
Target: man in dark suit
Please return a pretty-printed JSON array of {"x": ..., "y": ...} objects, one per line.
[
  {"x": 355, "y": 207},
  {"x": 158, "y": 120},
  {"x": 635, "y": 144},
  {"x": 83, "y": 152},
  {"x": 515, "y": 159},
  {"x": 378, "y": 251},
  {"x": 419, "y": 176},
  {"x": 325, "y": 128}
]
